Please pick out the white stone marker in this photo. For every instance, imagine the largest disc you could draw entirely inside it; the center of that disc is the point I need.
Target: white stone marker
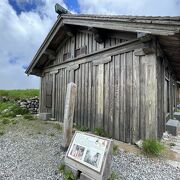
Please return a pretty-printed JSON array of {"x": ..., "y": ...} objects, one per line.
[{"x": 69, "y": 113}]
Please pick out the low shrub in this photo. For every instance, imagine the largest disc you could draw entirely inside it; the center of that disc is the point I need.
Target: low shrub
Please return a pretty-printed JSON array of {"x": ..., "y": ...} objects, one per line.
[
  {"x": 4, "y": 106},
  {"x": 13, "y": 111},
  {"x": 18, "y": 110},
  {"x": 152, "y": 147}
]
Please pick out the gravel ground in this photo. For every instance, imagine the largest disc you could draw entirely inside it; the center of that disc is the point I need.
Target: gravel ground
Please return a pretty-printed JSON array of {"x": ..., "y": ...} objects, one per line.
[
  {"x": 26, "y": 155},
  {"x": 34, "y": 157},
  {"x": 130, "y": 166}
]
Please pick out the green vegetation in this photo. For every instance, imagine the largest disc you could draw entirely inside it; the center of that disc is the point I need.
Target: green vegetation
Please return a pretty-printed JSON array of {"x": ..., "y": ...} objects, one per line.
[
  {"x": 29, "y": 117},
  {"x": 51, "y": 134},
  {"x": 1, "y": 133},
  {"x": 152, "y": 147},
  {"x": 12, "y": 110},
  {"x": 58, "y": 127},
  {"x": 81, "y": 128},
  {"x": 115, "y": 149},
  {"x": 68, "y": 174},
  {"x": 5, "y": 105},
  {"x": 172, "y": 144},
  {"x": 113, "y": 176},
  {"x": 6, "y": 121},
  {"x": 19, "y": 94},
  {"x": 100, "y": 132}
]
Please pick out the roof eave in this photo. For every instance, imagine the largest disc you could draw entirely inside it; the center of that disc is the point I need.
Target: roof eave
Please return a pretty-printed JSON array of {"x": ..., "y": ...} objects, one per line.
[{"x": 45, "y": 43}]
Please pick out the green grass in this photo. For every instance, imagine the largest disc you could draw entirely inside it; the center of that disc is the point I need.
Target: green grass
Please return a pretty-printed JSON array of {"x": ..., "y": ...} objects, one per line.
[
  {"x": 58, "y": 127},
  {"x": 2, "y": 132},
  {"x": 6, "y": 121},
  {"x": 152, "y": 147},
  {"x": 115, "y": 149},
  {"x": 113, "y": 176},
  {"x": 13, "y": 111},
  {"x": 68, "y": 174},
  {"x": 51, "y": 134},
  {"x": 61, "y": 167},
  {"x": 29, "y": 117},
  {"x": 100, "y": 132},
  {"x": 81, "y": 128},
  {"x": 19, "y": 94},
  {"x": 5, "y": 105}
]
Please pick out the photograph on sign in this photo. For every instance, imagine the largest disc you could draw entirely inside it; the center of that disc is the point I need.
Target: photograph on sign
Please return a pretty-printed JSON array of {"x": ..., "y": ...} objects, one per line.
[
  {"x": 77, "y": 151},
  {"x": 92, "y": 158},
  {"x": 88, "y": 150}
]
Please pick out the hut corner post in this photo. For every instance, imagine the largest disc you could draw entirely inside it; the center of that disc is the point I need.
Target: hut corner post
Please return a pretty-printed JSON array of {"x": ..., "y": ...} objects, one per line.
[{"x": 69, "y": 114}]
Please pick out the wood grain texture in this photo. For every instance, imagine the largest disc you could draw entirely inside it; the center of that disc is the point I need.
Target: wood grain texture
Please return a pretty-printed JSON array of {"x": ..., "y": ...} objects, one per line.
[{"x": 123, "y": 94}]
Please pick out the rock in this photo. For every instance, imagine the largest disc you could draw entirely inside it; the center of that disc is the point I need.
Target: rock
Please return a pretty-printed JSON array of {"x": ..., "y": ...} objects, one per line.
[
  {"x": 139, "y": 143},
  {"x": 23, "y": 103},
  {"x": 18, "y": 115},
  {"x": 4, "y": 98},
  {"x": 31, "y": 104}
]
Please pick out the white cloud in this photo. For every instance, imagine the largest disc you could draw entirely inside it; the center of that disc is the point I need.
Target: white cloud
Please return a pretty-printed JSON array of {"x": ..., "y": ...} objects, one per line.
[
  {"x": 131, "y": 7},
  {"x": 20, "y": 37}
]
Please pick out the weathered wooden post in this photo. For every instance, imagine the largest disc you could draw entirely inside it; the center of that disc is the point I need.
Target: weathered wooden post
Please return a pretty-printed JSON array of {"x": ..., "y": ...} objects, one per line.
[{"x": 69, "y": 113}]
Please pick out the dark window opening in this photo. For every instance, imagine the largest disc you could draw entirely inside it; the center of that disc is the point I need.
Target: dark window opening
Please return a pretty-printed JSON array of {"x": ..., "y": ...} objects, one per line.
[
  {"x": 49, "y": 94},
  {"x": 166, "y": 94},
  {"x": 81, "y": 51},
  {"x": 66, "y": 56}
]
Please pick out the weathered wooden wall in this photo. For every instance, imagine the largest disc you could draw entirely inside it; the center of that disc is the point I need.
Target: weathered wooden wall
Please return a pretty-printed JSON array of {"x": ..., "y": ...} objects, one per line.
[
  {"x": 165, "y": 73},
  {"x": 45, "y": 90},
  {"x": 119, "y": 90},
  {"x": 117, "y": 96},
  {"x": 87, "y": 39}
]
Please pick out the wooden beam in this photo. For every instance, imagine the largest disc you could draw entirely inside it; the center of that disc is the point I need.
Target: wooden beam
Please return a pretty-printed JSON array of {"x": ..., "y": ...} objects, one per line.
[
  {"x": 156, "y": 29},
  {"x": 51, "y": 54},
  {"x": 98, "y": 35},
  {"x": 70, "y": 30}
]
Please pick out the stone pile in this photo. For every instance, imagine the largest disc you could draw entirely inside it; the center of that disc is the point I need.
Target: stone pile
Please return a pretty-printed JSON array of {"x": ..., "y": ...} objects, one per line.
[
  {"x": 4, "y": 98},
  {"x": 31, "y": 104}
]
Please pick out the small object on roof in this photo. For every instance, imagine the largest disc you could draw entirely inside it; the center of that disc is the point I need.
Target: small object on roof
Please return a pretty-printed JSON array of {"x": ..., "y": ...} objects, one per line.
[{"x": 60, "y": 10}]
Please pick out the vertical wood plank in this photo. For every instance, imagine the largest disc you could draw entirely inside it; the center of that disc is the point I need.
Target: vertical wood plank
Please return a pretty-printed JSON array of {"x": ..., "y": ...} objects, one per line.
[
  {"x": 106, "y": 97},
  {"x": 111, "y": 99},
  {"x": 90, "y": 96},
  {"x": 100, "y": 95},
  {"x": 135, "y": 100},
  {"x": 116, "y": 97},
  {"x": 93, "y": 97},
  {"x": 123, "y": 97},
  {"x": 128, "y": 97}
]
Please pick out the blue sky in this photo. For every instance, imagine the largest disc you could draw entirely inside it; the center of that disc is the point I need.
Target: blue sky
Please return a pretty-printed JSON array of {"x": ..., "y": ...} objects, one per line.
[{"x": 25, "y": 23}]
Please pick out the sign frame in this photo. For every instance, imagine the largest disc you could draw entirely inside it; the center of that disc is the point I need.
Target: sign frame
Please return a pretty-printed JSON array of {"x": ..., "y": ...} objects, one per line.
[{"x": 78, "y": 154}]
